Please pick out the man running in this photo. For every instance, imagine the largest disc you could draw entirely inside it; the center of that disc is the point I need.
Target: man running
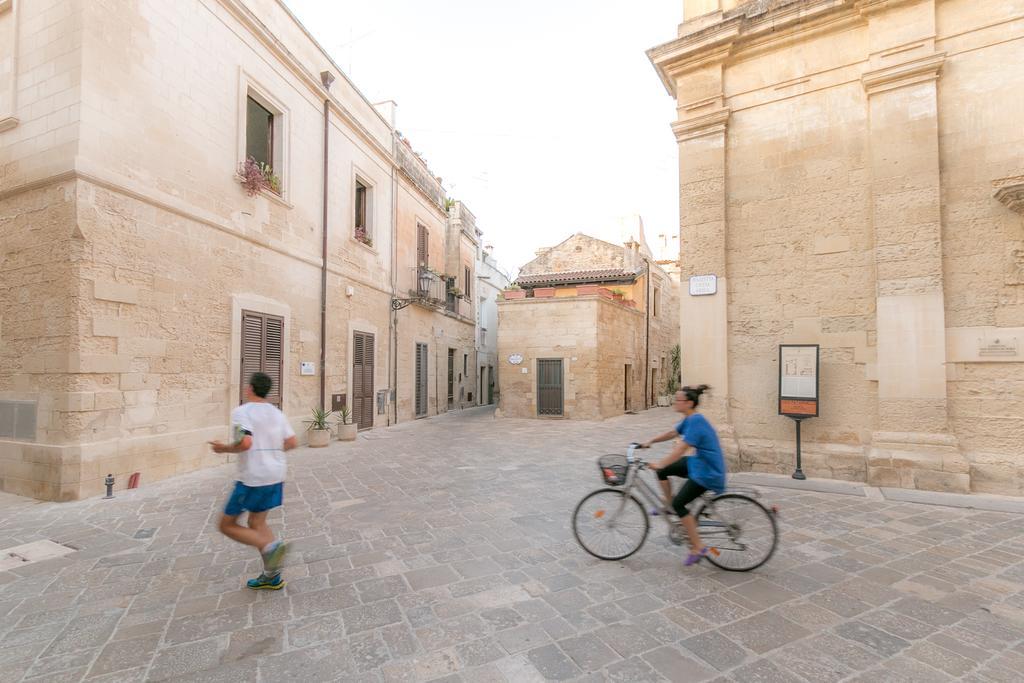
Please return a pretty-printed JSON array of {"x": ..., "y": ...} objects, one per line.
[{"x": 262, "y": 435}]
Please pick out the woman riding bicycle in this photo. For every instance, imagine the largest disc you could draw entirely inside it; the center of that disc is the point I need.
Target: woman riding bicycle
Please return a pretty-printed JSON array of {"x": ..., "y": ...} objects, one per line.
[{"x": 703, "y": 470}]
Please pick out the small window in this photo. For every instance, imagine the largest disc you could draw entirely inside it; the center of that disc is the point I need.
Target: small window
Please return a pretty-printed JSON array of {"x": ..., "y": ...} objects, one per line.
[
  {"x": 468, "y": 278},
  {"x": 363, "y": 196},
  {"x": 654, "y": 303},
  {"x": 465, "y": 366},
  {"x": 259, "y": 133}
]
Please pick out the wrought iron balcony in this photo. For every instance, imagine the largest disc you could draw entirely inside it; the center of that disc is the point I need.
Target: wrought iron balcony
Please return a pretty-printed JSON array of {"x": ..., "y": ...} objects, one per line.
[{"x": 430, "y": 288}]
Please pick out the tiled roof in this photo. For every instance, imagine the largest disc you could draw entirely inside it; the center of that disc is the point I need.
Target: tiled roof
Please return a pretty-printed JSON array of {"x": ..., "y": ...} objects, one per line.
[{"x": 576, "y": 277}]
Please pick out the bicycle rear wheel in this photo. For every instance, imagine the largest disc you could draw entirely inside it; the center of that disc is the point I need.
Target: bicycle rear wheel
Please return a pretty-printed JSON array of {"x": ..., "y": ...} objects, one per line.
[
  {"x": 610, "y": 525},
  {"x": 742, "y": 530}
]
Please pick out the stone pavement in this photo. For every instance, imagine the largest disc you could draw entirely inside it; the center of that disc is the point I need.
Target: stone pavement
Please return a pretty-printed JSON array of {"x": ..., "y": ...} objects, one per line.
[{"x": 441, "y": 550}]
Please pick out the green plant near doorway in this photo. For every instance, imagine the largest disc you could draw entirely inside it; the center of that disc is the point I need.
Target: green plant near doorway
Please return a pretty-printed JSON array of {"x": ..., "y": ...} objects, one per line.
[{"x": 674, "y": 379}]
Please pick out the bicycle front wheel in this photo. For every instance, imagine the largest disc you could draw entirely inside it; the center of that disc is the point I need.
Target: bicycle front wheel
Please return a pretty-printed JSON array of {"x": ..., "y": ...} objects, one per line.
[
  {"x": 609, "y": 524},
  {"x": 741, "y": 529}
]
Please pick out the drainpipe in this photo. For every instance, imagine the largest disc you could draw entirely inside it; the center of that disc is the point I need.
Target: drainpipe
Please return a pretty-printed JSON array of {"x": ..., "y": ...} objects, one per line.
[
  {"x": 394, "y": 273},
  {"x": 647, "y": 341},
  {"x": 326, "y": 78}
]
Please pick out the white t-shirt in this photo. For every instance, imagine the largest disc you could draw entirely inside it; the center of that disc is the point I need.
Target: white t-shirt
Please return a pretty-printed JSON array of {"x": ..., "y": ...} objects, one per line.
[{"x": 263, "y": 464}]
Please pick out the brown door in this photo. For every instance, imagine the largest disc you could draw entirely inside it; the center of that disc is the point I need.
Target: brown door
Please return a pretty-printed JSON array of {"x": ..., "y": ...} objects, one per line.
[
  {"x": 262, "y": 351},
  {"x": 654, "y": 387},
  {"x": 549, "y": 386},
  {"x": 625, "y": 388},
  {"x": 362, "y": 380}
]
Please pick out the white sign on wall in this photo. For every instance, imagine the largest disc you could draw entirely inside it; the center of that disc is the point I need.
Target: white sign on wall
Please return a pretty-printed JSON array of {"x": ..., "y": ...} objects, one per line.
[
  {"x": 703, "y": 285},
  {"x": 307, "y": 368},
  {"x": 515, "y": 358}
]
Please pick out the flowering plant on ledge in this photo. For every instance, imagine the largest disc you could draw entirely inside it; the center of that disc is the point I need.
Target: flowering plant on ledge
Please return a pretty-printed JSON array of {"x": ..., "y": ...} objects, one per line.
[
  {"x": 258, "y": 176},
  {"x": 362, "y": 236}
]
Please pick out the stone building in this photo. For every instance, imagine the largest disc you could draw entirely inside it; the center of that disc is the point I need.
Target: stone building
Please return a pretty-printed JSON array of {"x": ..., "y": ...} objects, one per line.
[
  {"x": 851, "y": 170},
  {"x": 589, "y": 332},
  {"x": 146, "y": 268},
  {"x": 491, "y": 281}
]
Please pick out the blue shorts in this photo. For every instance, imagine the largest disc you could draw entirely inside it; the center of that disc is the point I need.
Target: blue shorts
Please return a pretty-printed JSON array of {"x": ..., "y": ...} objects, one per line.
[{"x": 253, "y": 498}]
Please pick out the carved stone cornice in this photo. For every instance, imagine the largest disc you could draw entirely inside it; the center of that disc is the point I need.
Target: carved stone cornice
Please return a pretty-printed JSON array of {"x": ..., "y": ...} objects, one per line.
[
  {"x": 1010, "y": 191},
  {"x": 900, "y": 75},
  {"x": 699, "y": 126}
]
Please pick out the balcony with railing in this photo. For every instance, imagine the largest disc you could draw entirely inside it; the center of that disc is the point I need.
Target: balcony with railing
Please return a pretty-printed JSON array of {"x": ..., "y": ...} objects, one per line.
[{"x": 428, "y": 288}]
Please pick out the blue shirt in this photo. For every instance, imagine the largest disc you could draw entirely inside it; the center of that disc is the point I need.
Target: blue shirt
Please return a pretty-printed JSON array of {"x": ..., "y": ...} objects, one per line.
[{"x": 707, "y": 465}]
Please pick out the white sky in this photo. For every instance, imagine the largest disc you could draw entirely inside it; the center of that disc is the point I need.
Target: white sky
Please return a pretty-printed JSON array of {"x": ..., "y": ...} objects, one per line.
[{"x": 544, "y": 116}]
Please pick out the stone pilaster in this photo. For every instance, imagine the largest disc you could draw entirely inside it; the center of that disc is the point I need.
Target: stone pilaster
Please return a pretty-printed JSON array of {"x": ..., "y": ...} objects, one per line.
[{"x": 913, "y": 446}]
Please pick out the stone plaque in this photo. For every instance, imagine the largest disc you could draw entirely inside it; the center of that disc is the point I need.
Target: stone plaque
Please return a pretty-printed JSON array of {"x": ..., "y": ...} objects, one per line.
[
  {"x": 1002, "y": 346},
  {"x": 703, "y": 285}
]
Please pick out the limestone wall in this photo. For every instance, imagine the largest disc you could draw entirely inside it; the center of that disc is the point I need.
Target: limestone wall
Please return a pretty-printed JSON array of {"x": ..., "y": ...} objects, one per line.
[{"x": 838, "y": 163}]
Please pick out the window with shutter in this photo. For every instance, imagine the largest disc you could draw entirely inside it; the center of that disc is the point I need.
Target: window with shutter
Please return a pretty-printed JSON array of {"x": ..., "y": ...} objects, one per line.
[
  {"x": 422, "y": 246},
  {"x": 263, "y": 351}
]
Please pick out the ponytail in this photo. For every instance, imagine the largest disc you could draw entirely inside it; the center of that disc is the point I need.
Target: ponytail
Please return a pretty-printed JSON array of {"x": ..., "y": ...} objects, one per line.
[{"x": 693, "y": 393}]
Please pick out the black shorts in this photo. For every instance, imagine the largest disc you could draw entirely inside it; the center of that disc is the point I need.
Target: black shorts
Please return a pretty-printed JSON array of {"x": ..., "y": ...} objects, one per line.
[{"x": 691, "y": 490}]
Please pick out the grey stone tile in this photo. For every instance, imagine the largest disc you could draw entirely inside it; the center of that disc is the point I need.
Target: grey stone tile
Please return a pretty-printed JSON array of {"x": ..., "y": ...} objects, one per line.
[
  {"x": 430, "y": 577},
  {"x": 522, "y": 638},
  {"x": 373, "y": 615},
  {"x": 589, "y": 653},
  {"x": 201, "y": 626},
  {"x": 478, "y": 652},
  {"x": 368, "y": 651},
  {"x": 322, "y": 663},
  {"x": 84, "y": 632},
  {"x": 715, "y": 649},
  {"x": 927, "y": 612},
  {"x": 871, "y": 637},
  {"x": 315, "y": 630},
  {"x": 500, "y": 618},
  {"x": 940, "y": 658},
  {"x": 717, "y": 609},
  {"x": 552, "y": 663},
  {"x": 180, "y": 660},
  {"x": 125, "y": 654},
  {"x": 259, "y": 641},
  {"x": 324, "y": 601},
  {"x": 898, "y": 624},
  {"x": 763, "y": 632},
  {"x": 762, "y": 671},
  {"x": 673, "y": 665},
  {"x": 372, "y": 590}
]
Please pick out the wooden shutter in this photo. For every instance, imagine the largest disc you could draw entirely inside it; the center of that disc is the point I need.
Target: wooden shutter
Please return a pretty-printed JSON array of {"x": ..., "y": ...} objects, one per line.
[
  {"x": 421, "y": 380},
  {"x": 367, "y": 417},
  {"x": 273, "y": 356},
  {"x": 262, "y": 351},
  {"x": 362, "y": 379},
  {"x": 358, "y": 352},
  {"x": 422, "y": 246}
]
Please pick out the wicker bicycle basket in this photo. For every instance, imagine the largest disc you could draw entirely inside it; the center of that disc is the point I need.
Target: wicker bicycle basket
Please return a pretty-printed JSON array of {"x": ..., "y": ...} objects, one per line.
[{"x": 613, "y": 469}]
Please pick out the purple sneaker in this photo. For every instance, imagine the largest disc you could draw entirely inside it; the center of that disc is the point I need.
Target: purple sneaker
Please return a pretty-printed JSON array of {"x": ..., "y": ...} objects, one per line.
[{"x": 694, "y": 558}]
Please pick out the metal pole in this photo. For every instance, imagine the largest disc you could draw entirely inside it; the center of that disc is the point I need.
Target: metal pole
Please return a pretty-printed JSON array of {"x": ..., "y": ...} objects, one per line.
[
  {"x": 109, "y": 481},
  {"x": 798, "y": 474}
]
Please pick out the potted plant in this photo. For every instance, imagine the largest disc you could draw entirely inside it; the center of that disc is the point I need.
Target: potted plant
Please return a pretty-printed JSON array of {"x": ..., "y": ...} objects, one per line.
[
  {"x": 543, "y": 292},
  {"x": 618, "y": 294},
  {"x": 514, "y": 292},
  {"x": 258, "y": 176},
  {"x": 587, "y": 290},
  {"x": 346, "y": 428},
  {"x": 319, "y": 430},
  {"x": 362, "y": 236}
]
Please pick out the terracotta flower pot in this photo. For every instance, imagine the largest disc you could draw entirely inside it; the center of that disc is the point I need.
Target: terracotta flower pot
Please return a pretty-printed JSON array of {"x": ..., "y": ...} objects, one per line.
[
  {"x": 587, "y": 290},
  {"x": 543, "y": 292},
  {"x": 318, "y": 438},
  {"x": 606, "y": 293},
  {"x": 514, "y": 294}
]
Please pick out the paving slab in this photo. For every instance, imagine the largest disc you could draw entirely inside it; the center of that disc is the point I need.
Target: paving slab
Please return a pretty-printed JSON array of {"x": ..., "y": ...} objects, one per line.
[{"x": 441, "y": 550}]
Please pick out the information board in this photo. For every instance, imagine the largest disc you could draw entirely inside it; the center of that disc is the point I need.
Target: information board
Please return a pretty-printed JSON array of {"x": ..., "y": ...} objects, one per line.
[{"x": 798, "y": 380}]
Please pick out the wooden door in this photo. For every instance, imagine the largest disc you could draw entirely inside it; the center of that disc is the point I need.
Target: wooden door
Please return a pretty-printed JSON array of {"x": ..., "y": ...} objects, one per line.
[
  {"x": 262, "y": 351},
  {"x": 549, "y": 386},
  {"x": 362, "y": 379},
  {"x": 421, "y": 380}
]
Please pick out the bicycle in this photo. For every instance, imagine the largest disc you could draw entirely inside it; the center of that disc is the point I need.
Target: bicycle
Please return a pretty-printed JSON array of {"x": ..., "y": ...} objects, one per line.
[{"x": 742, "y": 530}]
